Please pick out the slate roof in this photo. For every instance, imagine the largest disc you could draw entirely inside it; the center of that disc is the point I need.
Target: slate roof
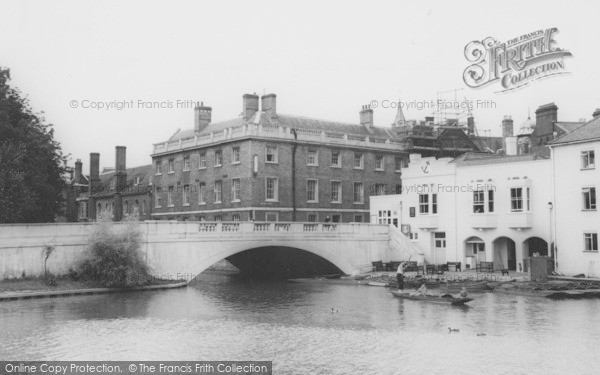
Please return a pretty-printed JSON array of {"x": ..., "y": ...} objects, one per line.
[
  {"x": 569, "y": 126},
  {"x": 471, "y": 158},
  {"x": 288, "y": 121},
  {"x": 587, "y": 132}
]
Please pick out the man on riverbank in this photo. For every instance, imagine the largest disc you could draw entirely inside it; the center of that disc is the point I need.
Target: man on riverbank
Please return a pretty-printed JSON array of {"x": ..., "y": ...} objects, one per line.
[{"x": 400, "y": 275}]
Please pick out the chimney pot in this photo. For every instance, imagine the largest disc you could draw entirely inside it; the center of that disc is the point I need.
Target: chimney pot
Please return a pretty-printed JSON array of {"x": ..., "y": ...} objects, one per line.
[{"x": 366, "y": 118}]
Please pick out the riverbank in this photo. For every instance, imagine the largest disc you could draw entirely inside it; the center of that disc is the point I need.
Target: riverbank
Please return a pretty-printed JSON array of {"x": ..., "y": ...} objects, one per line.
[{"x": 14, "y": 289}]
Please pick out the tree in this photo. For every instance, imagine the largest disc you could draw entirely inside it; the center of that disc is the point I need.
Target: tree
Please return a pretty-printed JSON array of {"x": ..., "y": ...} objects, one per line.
[{"x": 31, "y": 161}]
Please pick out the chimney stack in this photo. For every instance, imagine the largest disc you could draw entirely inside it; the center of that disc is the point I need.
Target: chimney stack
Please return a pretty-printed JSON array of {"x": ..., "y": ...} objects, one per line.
[
  {"x": 250, "y": 105},
  {"x": 507, "y": 126},
  {"x": 596, "y": 113},
  {"x": 470, "y": 125},
  {"x": 366, "y": 117},
  {"x": 78, "y": 168},
  {"x": 202, "y": 117},
  {"x": 269, "y": 105},
  {"x": 545, "y": 117},
  {"x": 121, "y": 182},
  {"x": 94, "y": 183}
]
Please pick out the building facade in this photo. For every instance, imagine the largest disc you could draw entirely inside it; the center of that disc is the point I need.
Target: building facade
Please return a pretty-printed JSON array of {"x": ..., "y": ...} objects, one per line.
[
  {"x": 575, "y": 183},
  {"x": 267, "y": 166},
  {"x": 472, "y": 209}
]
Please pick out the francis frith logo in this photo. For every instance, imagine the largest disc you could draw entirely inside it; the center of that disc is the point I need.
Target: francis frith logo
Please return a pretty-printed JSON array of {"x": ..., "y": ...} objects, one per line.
[{"x": 515, "y": 63}]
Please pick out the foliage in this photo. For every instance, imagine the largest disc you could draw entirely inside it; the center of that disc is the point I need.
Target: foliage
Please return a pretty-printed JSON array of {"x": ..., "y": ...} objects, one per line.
[
  {"x": 31, "y": 161},
  {"x": 116, "y": 259}
]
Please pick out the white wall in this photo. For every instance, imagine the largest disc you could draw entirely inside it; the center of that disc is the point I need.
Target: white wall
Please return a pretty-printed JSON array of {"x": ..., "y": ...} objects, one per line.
[{"x": 571, "y": 220}]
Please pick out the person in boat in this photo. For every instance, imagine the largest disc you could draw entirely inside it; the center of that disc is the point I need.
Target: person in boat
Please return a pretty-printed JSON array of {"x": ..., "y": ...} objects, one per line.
[
  {"x": 463, "y": 293},
  {"x": 400, "y": 275}
]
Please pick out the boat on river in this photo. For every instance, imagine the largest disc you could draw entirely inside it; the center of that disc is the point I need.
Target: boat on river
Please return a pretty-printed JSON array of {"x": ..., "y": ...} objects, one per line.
[{"x": 444, "y": 299}]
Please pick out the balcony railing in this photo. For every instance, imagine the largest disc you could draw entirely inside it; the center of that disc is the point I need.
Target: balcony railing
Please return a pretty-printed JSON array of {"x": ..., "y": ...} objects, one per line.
[
  {"x": 484, "y": 221},
  {"x": 278, "y": 132},
  {"x": 428, "y": 221},
  {"x": 519, "y": 220}
]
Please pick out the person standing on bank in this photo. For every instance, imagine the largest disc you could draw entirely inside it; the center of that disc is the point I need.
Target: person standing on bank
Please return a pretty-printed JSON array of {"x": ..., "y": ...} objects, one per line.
[{"x": 400, "y": 275}]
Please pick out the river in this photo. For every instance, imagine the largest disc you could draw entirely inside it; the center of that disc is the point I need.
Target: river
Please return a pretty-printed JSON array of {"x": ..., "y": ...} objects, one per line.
[{"x": 308, "y": 329}]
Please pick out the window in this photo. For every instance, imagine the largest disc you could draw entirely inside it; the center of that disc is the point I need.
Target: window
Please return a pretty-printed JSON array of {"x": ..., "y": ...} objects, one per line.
[
  {"x": 384, "y": 217},
  {"x": 589, "y": 198},
  {"x": 414, "y": 236},
  {"x": 312, "y": 158},
  {"x": 202, "y": 163},
  {"x": 158, "y": 167},
  {"x": 336, "y": 192},
  {"x": 218, "y": 191},
  {"x": 434, "y": 203},
  {"x": 171, "y": 165},
  {"x": 235, "y": 217},
  {"x": 311, "y": 218},
  {"x": 379, "y": 166},
  {"x": 423, "y": 203},
  {"x": 588, "y": 159},
  {"x": 516, "y": 199},
  {"x": 136, "y": 181},
  {"x": 218, "y": 218},
  {"x": 312, "y": 191},
  {"x": 478, "y": 201},
  {"x": 218, "y": 158},
  {"x": 591, "y": 241},
  {"x": 235, "y": 190},
  {"x": 272, "y": 216},
  {"x": 358, "y": 218},
  {"x": 235, "y": 155},
  {"x": 397, "y": 163},
  {"x": 398, "y": 188},
  {"x": 83, "y": 211},
  {"x": 358, "y": 160},
  {"x": 186, "y": 195},
  {"x": 380, "y": 189},
  {"x": 440, "y": 240},
  {"x": 359, "y": 194},
  {"x": 271, "y": 154},
  {"x": 336, "y": 161},
  {"x": 336, "y": 218},
  {"x": 157, "y": 198},
  {"x": 201, "y": 190},
  {"x": 186, "y": 163},
  {"x": 170, "y": 196},
  {"x": 490, "y": 200},
  {"x": 272, "y": 189}
]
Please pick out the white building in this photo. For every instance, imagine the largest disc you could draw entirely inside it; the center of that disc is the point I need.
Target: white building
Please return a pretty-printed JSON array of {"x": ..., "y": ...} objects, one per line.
[
  {"x": 474, "y": 208},
  {"x": 576, "y": 179}
]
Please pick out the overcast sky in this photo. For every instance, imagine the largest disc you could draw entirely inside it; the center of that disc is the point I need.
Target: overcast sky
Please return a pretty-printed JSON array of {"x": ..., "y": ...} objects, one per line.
[{"x": 322, "y": 59}]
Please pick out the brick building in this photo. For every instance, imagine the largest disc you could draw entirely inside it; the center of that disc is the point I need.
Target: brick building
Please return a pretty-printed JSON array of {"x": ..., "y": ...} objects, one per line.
[{"x": 267, "y": 166}]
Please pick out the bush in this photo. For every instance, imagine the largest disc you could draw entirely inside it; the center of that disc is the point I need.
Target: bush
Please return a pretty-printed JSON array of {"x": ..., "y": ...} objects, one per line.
[{"x": 115, "y": 259}]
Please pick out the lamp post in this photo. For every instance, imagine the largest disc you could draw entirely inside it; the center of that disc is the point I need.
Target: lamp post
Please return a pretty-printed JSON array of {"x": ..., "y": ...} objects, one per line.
[{"x": 552, "y": 247}]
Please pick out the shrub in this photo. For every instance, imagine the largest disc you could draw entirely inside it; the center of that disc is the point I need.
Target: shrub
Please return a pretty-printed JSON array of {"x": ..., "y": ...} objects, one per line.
[{"x": 115, "y": 254}]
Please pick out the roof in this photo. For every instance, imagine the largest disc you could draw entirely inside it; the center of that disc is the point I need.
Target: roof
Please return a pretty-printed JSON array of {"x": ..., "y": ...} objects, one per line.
[
  {"x": 569, "y": 126},
  {"x": 527, "y": 127},
  {"x": 471, "y": 158},
  {"x": 144, "y": 173},
  {"x": 288, "y": 121},
  {"x": 587, "y": 132}
]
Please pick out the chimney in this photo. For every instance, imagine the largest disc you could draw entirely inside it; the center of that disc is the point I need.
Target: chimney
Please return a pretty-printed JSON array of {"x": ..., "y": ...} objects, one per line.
[
  {"x": 202, "y": 117},
  {"x": 507, "y": 126},
  {"x": 94, "y": 183},
  {"x": 78, "y": 168},
  {"x": 269, "y": 105},
  {"x": 121, "y": 183},
  {"x": 545, "y": 117},
  {"x": 596, "y": 113},
  {"x": 250, "y": 105},
  {"x": 366, "y": 117},
  {"x": 470, "y": 125}
]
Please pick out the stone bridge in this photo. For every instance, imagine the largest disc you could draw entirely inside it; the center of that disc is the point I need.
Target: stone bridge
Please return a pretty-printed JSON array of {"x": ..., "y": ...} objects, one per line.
[{"x": 185, "y": 249}]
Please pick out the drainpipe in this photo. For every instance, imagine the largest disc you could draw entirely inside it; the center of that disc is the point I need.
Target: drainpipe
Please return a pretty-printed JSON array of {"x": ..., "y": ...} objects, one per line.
[
  {"x": 293, "y": 131},
  {"x": 553, "y": 239}
]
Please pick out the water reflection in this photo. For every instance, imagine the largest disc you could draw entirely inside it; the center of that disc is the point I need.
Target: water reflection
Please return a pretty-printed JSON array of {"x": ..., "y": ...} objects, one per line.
[{"x": 308, "y": 328}]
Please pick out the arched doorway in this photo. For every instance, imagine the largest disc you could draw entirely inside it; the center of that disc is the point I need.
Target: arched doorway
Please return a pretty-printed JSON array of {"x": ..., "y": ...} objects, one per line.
[
  {"x": 534, "y": 245},
  {"x": 474, "y": 252},
  {"x": 505, "y": 254}
]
